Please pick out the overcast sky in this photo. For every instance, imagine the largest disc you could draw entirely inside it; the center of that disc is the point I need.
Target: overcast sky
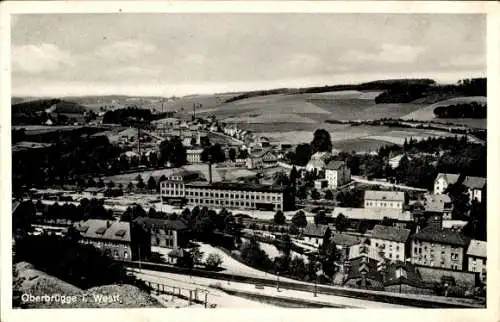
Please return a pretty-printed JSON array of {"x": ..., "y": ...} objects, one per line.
[{"x": 166, "y": 54}]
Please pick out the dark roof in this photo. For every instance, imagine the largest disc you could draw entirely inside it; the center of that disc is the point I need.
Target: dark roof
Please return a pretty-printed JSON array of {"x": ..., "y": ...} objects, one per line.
[
  {"x": 346, "y": 240},
  {"x": 236, "y": 186},
  {"x": 404, "y": 273},
  {"x": 396, "y": 234},
  {"x": 335, "y": 165},
  {"x": 161, "y": 223},
  {"x": 315, "y": 230},
  {"x": 358, "y": 265},
  {"x": 440, "y": 235},
  {"x": 105, "y": 229}
]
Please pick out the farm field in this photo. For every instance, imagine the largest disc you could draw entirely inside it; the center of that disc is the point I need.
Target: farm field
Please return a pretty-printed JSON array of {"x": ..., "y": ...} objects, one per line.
[{"x": 427, "y": 113}]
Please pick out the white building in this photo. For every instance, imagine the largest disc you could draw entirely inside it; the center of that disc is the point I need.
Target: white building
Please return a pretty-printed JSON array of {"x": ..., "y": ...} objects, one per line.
[
  {"x": 194, "y": 155},
  {"x": 318, "y": 161},
  {"x": 394, "y": 162},
  {"x": 476, "y": 258},
  {"x": 385, "y": 199},
  {"x": 261, "y": 159},
  {"x": 475, "y": 185},
  {"x": 337, "y": 173}
]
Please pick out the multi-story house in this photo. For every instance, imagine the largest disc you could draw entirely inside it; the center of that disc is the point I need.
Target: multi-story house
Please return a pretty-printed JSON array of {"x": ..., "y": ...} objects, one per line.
[
  {"x": 392, "y": 241},
  {"x": 476, "y": 258},
  {"x": 438, "y": 205},
  {"x": 385, "y": 199},
  {"x": 475, "y": 185},
  {"x": 165, "y": 232},
  {"x": 117, "y": 239},
  {"x": 184, "y": 188},
  {"x": 337, "y": 173},
  {"x": 439, "y": 247},
  {"x": 194, "y": 155}
]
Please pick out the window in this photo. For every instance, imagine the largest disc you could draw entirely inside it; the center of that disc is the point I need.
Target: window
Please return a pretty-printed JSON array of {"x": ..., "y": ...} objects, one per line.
[
  {"x": 397, "y": 247},
  {"x": 125, "y": 255}
]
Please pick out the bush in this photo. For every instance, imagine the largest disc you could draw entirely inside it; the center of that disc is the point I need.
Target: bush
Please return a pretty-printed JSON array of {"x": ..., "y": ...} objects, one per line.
[{"x": 213, "y": 261}]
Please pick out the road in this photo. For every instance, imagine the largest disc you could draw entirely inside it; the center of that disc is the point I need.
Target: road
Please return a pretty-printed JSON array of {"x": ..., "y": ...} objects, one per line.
[{"x": 385, "y": 184}]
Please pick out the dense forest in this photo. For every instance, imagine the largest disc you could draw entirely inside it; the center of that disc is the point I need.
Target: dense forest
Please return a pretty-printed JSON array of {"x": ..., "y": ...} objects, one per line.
[
  {"x": 130, "y": 116},
  {"x": 39, "y": 111},
  {"x": 469, "y": 110}
]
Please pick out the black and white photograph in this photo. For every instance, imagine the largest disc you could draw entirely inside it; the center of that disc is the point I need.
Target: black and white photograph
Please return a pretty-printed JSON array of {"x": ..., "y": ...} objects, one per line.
[{"x": 182, "y": 160}]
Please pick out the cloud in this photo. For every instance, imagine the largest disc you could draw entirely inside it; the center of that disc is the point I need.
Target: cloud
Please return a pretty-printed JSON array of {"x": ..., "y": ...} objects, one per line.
[
  {"x": 125, "y": 50},
  {"x": 466, "y": 60},
  {"x": 388, "y": 53},
  {"x": 36, "y": 59}
]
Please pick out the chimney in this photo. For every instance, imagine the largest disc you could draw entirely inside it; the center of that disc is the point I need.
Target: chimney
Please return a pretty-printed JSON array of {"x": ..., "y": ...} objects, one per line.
[{"x": 210, "y": 172}]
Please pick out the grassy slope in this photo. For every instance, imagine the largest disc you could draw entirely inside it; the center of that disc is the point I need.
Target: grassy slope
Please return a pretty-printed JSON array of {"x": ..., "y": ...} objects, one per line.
[{"x": 427, "y": 113}]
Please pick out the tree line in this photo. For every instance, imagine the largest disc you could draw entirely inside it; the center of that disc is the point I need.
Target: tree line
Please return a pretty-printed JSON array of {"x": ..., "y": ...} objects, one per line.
[{"x": 468, "y": 110}]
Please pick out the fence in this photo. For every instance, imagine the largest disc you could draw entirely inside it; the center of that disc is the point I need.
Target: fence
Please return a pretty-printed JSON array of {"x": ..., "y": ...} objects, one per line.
[{"x": 192, "y": 296}]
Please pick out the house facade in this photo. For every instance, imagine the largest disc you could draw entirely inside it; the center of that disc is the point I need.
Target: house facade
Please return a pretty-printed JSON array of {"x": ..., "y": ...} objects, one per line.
[
  {"x": 438, "y": 205},
  {"x": 384, "y": 199},
  {"x": 337, "y": 173},
  {"x": 194, "y": 155},
  {"x": 313, "y": 234},
  {"x": 476, "y": 258},
  {"x": 391, "y": 241},
  {"x": 439, "y": 247},
  {"x": 165, "y": 233},
  {"x": 117, "y": 239}
]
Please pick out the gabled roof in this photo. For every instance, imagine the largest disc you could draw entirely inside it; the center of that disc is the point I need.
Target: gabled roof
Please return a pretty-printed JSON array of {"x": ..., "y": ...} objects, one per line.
[
  {"x": 104, "y": 229},
  {"x": 358, "y": 265},
  {"x": 477, "y": 248},
  {"x": 335, "y": 165},
  {"x": 436, "y": 203},
  {"x": 345, "y": 240},
  {"x": 385, "y": 195},
  {"x": 474, "y": 182},
  {"x": 450, "y": 178},
  {"x": 396, "y": 234},
  {"x": 315, "y": 230},
  {"x": 436, "y": 234}
]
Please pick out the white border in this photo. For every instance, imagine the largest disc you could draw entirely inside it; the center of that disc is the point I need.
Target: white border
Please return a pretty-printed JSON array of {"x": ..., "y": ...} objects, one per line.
[{"x": 241, "y": 315}]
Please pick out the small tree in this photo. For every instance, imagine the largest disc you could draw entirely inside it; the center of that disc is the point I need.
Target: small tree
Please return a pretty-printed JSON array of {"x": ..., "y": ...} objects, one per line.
[
  {"x": 151, "y": 183},
  {"x": 111, "y": 184},
  {"x": 315, "y": 194},
  {"x": 140, "y": 184},
  {"x": 279, "y": 218},
  {"x": 341, "y": 222},
  {"x": 130, "y": 186},
  {"x": 299, "y": 219},
  {"x": 213, "y": 261},
  {"x": 329, "y": 195}
]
